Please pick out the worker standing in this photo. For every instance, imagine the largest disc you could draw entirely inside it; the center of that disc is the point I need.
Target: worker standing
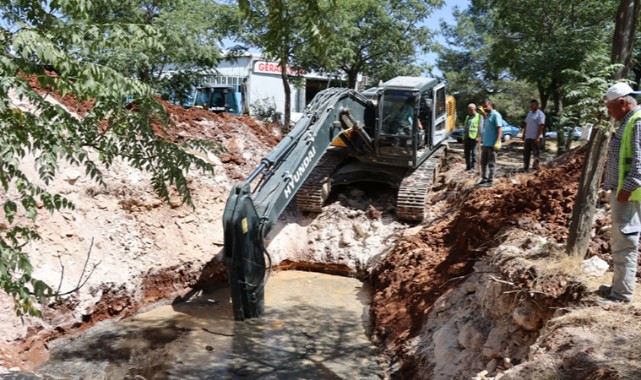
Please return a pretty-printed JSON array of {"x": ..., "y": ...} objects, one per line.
[
  {"x": 473, "y": 121},
  {"x": 623, "y": 177},
  {"x": 491, "y": 143},
  {"x": 534, "y": 125}
]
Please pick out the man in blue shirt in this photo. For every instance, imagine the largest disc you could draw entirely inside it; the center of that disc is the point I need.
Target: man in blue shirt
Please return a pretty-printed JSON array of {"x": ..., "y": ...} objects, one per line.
[{"x": 491, "y": 143}]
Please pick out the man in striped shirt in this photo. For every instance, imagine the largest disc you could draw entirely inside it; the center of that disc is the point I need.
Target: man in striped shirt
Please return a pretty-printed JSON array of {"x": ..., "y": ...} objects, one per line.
[{"x": 623, "y": 179}]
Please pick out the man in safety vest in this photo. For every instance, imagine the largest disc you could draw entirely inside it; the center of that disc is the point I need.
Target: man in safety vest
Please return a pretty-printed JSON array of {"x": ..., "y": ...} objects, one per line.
[
  {"x": 473, "y": 122},
  {"x": 623, "y": 178}
]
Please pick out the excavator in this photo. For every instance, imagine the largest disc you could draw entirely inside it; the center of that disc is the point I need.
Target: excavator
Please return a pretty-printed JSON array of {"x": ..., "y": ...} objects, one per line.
[{"x": 392, "y": 134}]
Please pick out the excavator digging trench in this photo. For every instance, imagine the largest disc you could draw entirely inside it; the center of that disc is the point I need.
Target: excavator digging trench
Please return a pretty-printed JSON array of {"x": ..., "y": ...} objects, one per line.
[
  {"x": 315, "y": 325},
  {"x": 377, "y": 135},
  {"x": 321, "y": 326},
  {"x": 442, "y": 303}
]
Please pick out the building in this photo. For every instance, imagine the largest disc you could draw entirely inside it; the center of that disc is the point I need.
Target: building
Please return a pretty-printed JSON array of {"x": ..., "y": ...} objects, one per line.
[{"x": 260, "y": 85}]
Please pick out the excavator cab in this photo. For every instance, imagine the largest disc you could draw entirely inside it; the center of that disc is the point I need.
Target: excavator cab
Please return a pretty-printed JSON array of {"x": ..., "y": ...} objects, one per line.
[
  {"x": 398, "y": 126},
  {"x": 410, "y": 120}
]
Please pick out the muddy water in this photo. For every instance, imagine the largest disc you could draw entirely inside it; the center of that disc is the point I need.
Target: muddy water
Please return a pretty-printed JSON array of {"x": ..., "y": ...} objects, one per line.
[{"x": 314, "y": 327}]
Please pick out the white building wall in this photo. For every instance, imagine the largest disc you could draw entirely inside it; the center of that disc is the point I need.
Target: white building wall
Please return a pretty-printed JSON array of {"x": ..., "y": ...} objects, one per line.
[
  {"x": 269, "y": 88},
  {"x": 262, "y": 86}
]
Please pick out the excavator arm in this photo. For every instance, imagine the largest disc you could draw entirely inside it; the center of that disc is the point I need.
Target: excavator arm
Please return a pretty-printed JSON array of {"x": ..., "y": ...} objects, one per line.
[{"x": 255, "y": 204}]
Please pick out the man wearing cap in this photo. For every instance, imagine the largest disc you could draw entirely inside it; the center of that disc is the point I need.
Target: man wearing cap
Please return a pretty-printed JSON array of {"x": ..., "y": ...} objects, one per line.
[{"x": 623, "y": 178}]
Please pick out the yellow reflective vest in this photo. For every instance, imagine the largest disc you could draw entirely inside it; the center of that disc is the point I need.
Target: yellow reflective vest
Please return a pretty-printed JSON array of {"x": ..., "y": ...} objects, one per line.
[
  {"x": 625, "y": 156},
  {"x": 474, "y": 126}
]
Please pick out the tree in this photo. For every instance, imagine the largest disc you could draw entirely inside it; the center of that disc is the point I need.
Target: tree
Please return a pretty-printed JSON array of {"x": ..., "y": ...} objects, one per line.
[
  {"x": 470, "y": 73},
  {"x": 538, "y": 40},
  {"x": 379, "y": 38},
  {"x": 188, "y": 33},
  {"x": 284, "y": 29},
  {"x": 41, "y": 41},
  {"x": 587, "y": 196}
]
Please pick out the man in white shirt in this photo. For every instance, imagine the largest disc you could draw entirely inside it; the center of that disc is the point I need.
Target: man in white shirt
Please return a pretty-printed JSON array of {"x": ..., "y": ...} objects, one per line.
[{"x": 534, "y": 124}]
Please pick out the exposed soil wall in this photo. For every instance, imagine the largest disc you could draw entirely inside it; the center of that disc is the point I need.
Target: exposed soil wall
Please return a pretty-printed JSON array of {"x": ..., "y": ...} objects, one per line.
[{"x": 480, "y": 290}]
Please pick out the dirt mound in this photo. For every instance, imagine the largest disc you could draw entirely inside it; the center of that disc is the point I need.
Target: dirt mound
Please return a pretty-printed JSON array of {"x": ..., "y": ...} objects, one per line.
[{"x": 433, "y": 261}]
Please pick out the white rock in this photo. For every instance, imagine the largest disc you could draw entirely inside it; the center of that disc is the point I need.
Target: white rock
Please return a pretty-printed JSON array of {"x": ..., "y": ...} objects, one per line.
[
  {"x": 508, "y": 249},
  {"x": 412, "y": 231},
  {"x": 594, "y": 266},
  {"x": 346, "y": 239},
  {"x": 361, "y": 230}
]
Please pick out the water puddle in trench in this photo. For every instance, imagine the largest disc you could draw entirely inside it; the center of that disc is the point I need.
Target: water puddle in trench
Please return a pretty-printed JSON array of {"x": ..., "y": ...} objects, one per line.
[{"x": 315, "y": 327}]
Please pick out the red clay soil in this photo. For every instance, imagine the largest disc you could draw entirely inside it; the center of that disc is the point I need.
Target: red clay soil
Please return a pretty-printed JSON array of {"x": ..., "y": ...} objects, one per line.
[
  {"x": 424, "y": 266},
  {"x": 184, "y": 122},
  {"x": 188, "y": 124},
  {"x": 80, "y": 108}
]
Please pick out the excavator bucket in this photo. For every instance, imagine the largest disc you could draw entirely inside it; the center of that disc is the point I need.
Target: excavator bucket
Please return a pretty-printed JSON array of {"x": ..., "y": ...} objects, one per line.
[{"x": 243, "y": 254}]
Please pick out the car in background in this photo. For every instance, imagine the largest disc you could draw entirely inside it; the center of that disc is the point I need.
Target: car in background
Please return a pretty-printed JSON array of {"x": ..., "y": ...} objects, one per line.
[
  {"x": 509, "y": 132},
  {"x": 576, "y": 133},
  {"x": 457, "y": 135}
]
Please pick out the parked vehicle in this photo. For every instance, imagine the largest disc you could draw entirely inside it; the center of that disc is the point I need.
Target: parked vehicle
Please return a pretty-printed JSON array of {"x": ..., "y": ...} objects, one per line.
[
  {"x": 576, "y": 133},
  {"x": 218, "y": 98},
  {"x": 509, "y": 132},
  {"x": 457, "y": 135}
]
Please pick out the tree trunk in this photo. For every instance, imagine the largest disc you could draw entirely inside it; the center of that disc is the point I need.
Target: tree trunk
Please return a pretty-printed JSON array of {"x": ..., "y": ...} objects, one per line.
[
  {"x": 623, "y": 40},
  {"x": 587, "y": 195},
  {"x": 352, "y": 76},
  {"x": 543, "y": 95},
  {"x": 288, "y": 93}
]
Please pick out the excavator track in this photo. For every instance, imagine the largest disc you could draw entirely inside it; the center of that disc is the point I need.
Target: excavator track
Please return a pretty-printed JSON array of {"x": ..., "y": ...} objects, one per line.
[
  {"x": 313, "y": 193},
  {"x": 412, "y": 193}
]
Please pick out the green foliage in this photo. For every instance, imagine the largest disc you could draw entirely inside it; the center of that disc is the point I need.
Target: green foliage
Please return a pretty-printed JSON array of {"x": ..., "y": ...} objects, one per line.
[
  {"x": 586, "y": 90},
  {"x": 380, "y": 39},
  {"x": 471, "y": 74},
  {"x": 186, "y": 36},
  {"x": 41, "y": 41},
  {"x": 538, "y": 42}
]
